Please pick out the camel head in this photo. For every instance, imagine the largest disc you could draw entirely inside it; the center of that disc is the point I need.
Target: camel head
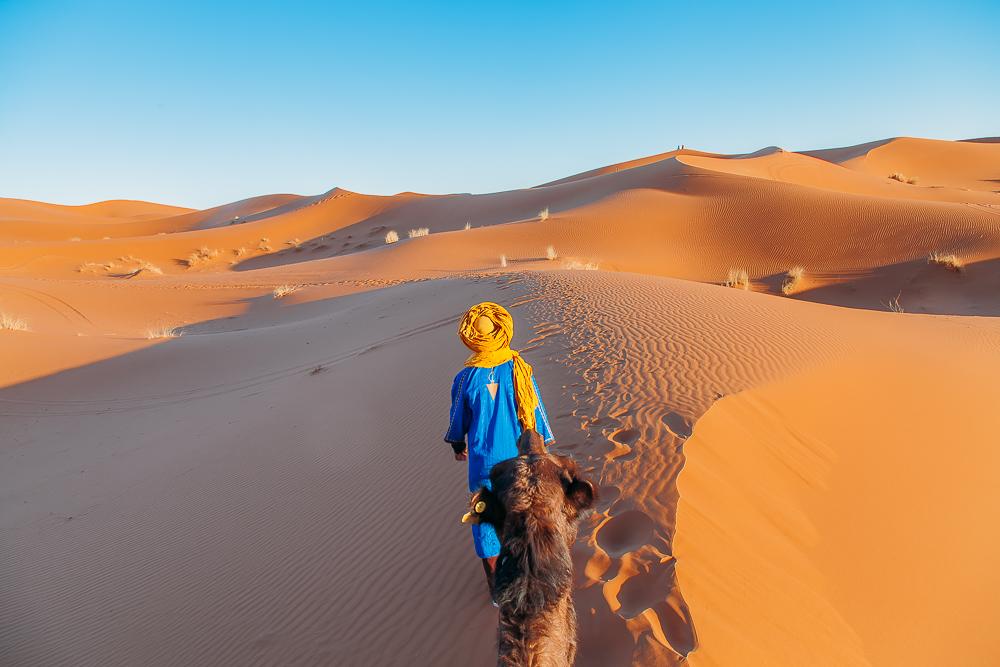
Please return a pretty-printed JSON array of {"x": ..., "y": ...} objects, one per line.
[{"x": 535, "y": 505}]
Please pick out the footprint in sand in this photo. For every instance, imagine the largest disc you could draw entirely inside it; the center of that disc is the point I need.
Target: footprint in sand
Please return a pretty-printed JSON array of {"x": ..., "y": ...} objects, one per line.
[
  {"x": 622, "y": 439},
  {"x": 625, "y": 532},
  {"x": 607, "y": 495},
  {"x": 678, "y": 425}
]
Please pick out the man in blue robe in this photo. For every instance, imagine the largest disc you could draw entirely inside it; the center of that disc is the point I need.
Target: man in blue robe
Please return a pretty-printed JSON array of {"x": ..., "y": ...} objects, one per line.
[{"x": 493, "y": 399}]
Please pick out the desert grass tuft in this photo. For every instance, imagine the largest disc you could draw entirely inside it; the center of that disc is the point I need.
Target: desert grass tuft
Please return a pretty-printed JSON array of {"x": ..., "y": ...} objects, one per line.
[
  {"x": 264, "y": 245},
  {"x": 391, "y": 237},
  {"x": 11, "y": 323},
  {"x": 550, "y": 253},
  {"x": 503, "y": 261},
  {"x": 897, "y": 176},
  {"x": 543, "y": 215},
  {"x": 127, "y": 266},
  {"x": 894, "y": 305},
  {"x": 163, "y": 331},
  {"x": 202, "y": 255},
  {"x": 577, "y": 265},
  {"x": 420, "y": 231},
  {"x": 239, "y": 252},
  {"x": 792, "y": 280},
  {"x": 950, "y": 261},
  {"x": 468, "y": 226},
  {"x": 282, "y": 291},
  {"x": 738, "y": 279}
]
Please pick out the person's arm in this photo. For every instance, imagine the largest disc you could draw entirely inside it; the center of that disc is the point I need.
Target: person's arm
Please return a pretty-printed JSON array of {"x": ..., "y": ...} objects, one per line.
[
  {"x": 458, "y": 418},
  {"x": 542, "y": 418}
]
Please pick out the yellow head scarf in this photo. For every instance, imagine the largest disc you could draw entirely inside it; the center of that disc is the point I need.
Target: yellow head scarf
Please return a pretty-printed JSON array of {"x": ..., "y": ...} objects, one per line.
[{"x": 492, "y": 348}]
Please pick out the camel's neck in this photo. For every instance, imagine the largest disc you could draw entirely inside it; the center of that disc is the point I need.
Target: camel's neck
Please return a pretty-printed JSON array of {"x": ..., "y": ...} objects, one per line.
[{"x": 534, "y": 570}]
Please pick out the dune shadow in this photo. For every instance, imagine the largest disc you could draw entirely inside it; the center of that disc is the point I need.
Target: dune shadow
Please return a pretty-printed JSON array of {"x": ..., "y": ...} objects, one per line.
[{"x": 921, "y": 287}]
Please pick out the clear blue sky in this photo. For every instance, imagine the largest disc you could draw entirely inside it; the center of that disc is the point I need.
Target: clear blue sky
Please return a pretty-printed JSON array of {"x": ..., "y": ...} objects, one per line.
[{"x": 200, "y": 103}]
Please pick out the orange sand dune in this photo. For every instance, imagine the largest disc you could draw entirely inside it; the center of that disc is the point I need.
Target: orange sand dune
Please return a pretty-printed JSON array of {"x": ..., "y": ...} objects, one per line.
[
  {"x": 958, "y": 164},
  {"x": 26, "y": 211},
  {"x": 220, "y": 430}
]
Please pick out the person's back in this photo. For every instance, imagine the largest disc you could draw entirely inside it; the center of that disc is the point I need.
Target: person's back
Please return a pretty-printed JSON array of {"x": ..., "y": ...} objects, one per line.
[{"x": 493, "y": 400}]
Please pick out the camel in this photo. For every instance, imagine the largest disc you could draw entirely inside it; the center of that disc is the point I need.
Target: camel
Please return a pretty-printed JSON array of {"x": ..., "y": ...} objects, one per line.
[{"x": 535, "y": 504}]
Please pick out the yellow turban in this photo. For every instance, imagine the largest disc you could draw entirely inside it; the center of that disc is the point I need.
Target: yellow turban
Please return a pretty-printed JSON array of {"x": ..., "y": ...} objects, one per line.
[{"x": 492, "y": 348}]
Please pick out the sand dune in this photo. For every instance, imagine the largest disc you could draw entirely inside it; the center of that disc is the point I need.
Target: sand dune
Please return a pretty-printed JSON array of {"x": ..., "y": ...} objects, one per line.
[{"x": 194, "y": 470}]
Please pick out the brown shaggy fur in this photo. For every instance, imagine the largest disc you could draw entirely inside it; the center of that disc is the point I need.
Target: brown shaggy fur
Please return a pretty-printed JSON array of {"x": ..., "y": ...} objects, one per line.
[{"x": 536, "y": 503}]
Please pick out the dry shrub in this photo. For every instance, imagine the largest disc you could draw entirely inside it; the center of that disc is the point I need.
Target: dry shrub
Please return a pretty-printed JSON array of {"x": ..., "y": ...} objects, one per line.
[
  {"x": 543, "y": 215},
  {"x": 793, "y": 279},
  {"x": 11, "y": 323},
  {"x": 503, "y": 261},
  {"x": 738, "y": 279},
  {"x": 264, "y": 245},
  {"x": 577, "y": 265},
  {"x": 894, "y": 305},
  {"x": 282, "y": 291},
  {"x": 163, "y": 331},
  {"x": 202, "y": 255},
  {"x": 127, "y": 266},
  {"x": 239, "y": 252},
  {"x": 550, "y": 253},
  {"x": 294, "y": 243},
  {"x": 391, "y": 236},
  {"x": 897, "y": 176},
  {"x": 468, "y": 226},
  {"x": 950, "y": 261},
  {"x": 420, "y": 231}
]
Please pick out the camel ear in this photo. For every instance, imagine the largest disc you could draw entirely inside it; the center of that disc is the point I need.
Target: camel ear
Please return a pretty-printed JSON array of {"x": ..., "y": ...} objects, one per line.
[{"x": 580, "y": 493}]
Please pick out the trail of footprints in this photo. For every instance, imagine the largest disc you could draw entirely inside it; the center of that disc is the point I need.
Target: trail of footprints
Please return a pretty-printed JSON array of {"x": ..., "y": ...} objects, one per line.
[{"x": 630, "y": 607}]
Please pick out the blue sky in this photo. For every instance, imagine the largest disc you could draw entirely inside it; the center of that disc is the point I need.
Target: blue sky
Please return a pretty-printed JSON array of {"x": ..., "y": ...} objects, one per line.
[{"x": 201, "y": 103}]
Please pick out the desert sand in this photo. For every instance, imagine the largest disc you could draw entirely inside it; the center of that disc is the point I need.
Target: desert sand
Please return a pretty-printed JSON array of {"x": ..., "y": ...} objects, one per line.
[{"x": 220, "y": 430}]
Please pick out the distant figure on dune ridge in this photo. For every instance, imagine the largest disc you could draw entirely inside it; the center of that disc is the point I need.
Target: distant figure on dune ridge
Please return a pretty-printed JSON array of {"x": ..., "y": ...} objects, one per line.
[
  {"x": 493, "y": 399},
  {"x": 535, "y": 502}
]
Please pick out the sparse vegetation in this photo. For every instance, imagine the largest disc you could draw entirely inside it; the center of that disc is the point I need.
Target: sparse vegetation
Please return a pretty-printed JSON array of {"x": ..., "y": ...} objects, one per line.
[
  {"x": 296, "y": 244},
  {"x": 239, "y": 252},
  {"x": 391, "y": 236},
  {"x": 896, "y": 176},
  {"x": 282, "y": 291},
  {"x": 894, "y": 305},
  {"x": 503, "y": 261},
  {"x": 127, "y": 266},
  {"x": 792, "y": 280},
  {"x": 577, "y": 265},
  {"x": 950, "y": 261},
  {"x": 264, "y": 245},
  {"x": 11, "y": 323},
  {"x": 738, "y": 279},
  {"x": 420, "y": 231},
  {"x": 163, "y": 331},
  {"x": 75, "y": 239},
  {"x": 468, "y": 226},
  {"x": 202, "y": 255},
  {"x": 550, "y": 253},
  {"x": 543, "y": 215}
]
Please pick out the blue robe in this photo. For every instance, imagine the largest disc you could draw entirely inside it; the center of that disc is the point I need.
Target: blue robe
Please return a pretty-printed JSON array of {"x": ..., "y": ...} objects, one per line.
[{"x": 492, "y": 429}]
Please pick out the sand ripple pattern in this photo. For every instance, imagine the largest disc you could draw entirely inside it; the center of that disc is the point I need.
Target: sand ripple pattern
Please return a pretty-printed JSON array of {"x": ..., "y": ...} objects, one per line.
[{"x": 648, "y": 357}]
